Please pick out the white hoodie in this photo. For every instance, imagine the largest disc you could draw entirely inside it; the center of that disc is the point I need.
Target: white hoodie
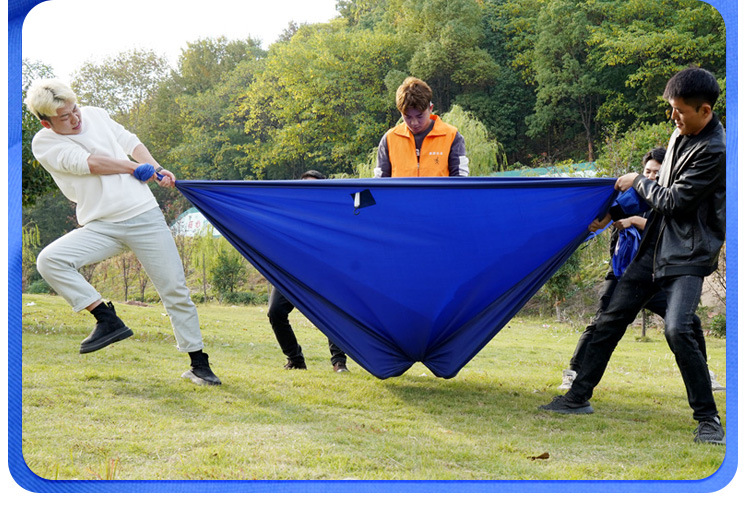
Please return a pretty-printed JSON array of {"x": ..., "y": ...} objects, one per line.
[{"x": 108, "y": 197}]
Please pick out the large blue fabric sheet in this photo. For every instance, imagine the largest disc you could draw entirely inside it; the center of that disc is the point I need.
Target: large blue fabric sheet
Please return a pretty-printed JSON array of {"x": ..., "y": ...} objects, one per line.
[{"x": 425, "y": 270}]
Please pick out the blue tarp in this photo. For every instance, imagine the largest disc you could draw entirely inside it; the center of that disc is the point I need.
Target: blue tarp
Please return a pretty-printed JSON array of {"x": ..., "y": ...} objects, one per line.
[{"x": 425, "y": 270}]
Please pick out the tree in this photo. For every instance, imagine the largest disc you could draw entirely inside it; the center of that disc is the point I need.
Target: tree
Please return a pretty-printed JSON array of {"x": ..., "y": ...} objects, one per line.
[
  {"x": 560, "y": 285},
  {"x": 121, "y": 84},
  {"x": 205, "y": 250},
  {"x": 228, "y": 272},
  {"x": 639, "y": 45},
  {"x": 211, "y": 80},
  {"x": 53, "y": 214},
  {"x": 35, "y": 181},
  {"x": 127, "y": 263},
  {"x": 481, "y": 148},
  {"x": 29, "y": 247},
  {"x": 205, "y": 63},
  {"x": 621, "y": 153},
  {"x": 320, "y": 102},
  {"x": 142, "y": 279},
  {"x": 363, "y": 14},
  {"x": 445, "y": 40},
  {"x": 568, "y": 90}
]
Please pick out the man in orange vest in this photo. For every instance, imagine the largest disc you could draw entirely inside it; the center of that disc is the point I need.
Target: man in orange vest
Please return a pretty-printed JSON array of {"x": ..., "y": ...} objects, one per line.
[{"x": 422, "y": 145}]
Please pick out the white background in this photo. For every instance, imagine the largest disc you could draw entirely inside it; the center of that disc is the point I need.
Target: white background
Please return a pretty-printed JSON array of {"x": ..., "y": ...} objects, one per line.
[{"x": 66, "y": 33}]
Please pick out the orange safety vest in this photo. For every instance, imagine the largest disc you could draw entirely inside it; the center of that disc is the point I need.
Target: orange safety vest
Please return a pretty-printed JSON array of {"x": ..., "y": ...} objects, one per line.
[{"x": 433, "y": 156}]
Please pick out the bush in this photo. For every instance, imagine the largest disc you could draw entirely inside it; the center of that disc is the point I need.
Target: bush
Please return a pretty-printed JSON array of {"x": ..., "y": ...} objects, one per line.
[
  {"x": 199, "y": 298},
  {"x": 39, "y": 287},
  {"x": 718, "y": 325},
  {"x": 622, "y": 153},
  {"x": 228, "y": 273},
  {"x": 245, "y": 298}
]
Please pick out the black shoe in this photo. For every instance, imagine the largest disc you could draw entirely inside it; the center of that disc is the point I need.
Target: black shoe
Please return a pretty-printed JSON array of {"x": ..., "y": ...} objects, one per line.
[
  {"x": 295, "y": 365},
  {"x": 560, "y": 404},
  {"x": 710, "y": 431},
  {"x": 340, "y": 368},
  {"x": 109, "y": 329},
  {"x": 200, "y": 372}
]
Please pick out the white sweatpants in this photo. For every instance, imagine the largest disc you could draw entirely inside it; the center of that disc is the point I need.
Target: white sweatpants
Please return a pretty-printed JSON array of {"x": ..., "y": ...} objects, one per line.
[{"x": 148, "y": 236}]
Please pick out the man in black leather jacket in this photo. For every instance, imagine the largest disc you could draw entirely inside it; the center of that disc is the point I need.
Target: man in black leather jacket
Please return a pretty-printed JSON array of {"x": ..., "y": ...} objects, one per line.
[{"x": 680, "y": 246}]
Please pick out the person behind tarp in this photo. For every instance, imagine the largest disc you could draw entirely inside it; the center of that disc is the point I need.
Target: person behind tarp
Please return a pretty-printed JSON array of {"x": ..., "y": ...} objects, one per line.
[
  {"x": 627, "y": 234},
  {"x": 681, "y": 243},
  {"x": 422, "y": 145},
  {"x": 278, "y": 314},
  {"x": 87, "y": 154}
]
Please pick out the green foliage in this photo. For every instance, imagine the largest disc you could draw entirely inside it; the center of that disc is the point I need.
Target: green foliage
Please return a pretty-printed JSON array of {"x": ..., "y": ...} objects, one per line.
[
  {"x": 121, "y": 84},
  {"x": 228, "y": 273},
  {"x": 718, "y": 325},
  {"x": 366, "y": 169},
  {"x": 29, "y": 246},
  {"x": 206, "y": 63},
  {"x": 35, "y": 181},
  {"x": 640, "y": 44},
  {"x": 481, "y": 148},
  {"x": 321, "y": 101},
  {"x": 364, "y": 14},
  {"x": 53, "y": 214},
  {"x": 623, "y": 153},
  {"x": 568, "y": 92},
  {"x": 203, "y": 96},
  {"x": 562, "y": 283},
  {"x": 39, "y": 287},
  {"x": 245, "y": 298}
]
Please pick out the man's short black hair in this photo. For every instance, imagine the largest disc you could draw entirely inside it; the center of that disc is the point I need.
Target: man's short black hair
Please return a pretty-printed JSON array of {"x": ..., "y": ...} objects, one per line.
[
  {"x": 693, "y": 85},
  {"x": 656, "y": 154},
  {"x": 313, "y": 174}
]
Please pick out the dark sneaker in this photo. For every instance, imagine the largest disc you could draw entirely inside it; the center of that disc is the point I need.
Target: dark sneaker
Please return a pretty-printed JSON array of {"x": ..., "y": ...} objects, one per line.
[
  {"x": 710, "y": 431},
  {"x": 200, "y": 372},
  {"x": 109, "y": 329},
  {"x": 560, "y": 404},
  {"x": 295, "y": 365},
  {"x": 340, "y": 368}
]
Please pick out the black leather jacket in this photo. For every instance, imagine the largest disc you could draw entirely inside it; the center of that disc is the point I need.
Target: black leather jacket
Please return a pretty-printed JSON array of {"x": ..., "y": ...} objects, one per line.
[{"x": 688, "y": 221}]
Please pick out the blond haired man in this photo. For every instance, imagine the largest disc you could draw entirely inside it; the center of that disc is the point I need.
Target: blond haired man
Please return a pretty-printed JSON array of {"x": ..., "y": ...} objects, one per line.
[{"x": 89, "y": 156}]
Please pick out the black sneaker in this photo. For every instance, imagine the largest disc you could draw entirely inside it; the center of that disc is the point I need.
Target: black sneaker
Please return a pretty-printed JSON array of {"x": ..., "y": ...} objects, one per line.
[
  {"x": 295, "y": 365},
  {"x": 560, "y": 404},
  {"x": 340, "y": 368},
  {"x": 200, "y": 372},
  {"x": 710, "y": 431},
  {"x": 109, "y": 329}
]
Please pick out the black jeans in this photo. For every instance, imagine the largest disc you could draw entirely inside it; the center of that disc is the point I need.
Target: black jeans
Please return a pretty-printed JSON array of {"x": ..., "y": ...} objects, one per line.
[
  {"x": 657, "y": 305},
  {"x": 634, "y": 289},
  {"x": 278, "y": 314}
]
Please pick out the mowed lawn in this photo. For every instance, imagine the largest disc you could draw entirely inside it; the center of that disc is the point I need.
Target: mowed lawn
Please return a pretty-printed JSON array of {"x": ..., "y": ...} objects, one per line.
[{"x": 124, "y": 412}]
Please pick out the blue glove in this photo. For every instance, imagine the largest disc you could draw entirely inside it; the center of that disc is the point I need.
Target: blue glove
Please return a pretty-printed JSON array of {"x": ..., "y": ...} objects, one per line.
[
  {"x": 631, "y": 203},
  {"x": 144, "y": 172}
]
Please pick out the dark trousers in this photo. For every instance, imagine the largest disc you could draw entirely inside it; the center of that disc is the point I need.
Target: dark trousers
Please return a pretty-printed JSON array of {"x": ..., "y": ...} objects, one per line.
[
  {"x": 634, "y": 289},
  {"x": 278, "y": 314},
  {"x": 657, "y": 305}
]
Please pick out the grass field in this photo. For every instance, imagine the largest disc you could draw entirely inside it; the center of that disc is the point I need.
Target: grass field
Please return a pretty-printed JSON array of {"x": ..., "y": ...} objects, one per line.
[{"x": 124, "y": 412}]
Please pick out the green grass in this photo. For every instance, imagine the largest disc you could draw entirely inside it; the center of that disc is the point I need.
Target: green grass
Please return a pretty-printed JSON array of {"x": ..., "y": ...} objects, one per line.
[{"x": 124, "y": 412}]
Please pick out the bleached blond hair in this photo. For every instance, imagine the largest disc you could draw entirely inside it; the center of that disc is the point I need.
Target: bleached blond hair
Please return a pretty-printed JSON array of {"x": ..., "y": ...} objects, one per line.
[{"x": 45, "y": 96}]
